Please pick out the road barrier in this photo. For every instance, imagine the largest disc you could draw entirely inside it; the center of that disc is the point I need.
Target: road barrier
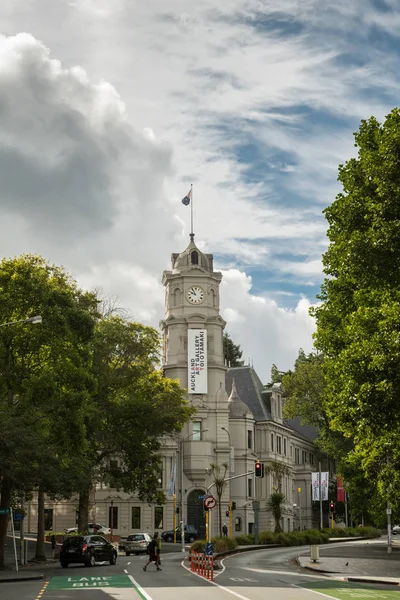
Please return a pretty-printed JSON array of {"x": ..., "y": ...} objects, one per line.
[{"x": 202, "y": 564}]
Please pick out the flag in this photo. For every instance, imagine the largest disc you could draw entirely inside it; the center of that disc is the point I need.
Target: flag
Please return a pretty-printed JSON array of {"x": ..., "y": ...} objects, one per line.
[{"x": 187, "y": 198}]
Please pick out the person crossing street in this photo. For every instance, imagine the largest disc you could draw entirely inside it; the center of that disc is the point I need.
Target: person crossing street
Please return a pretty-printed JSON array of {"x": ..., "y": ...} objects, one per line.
[{"x": 154, "y": 549}]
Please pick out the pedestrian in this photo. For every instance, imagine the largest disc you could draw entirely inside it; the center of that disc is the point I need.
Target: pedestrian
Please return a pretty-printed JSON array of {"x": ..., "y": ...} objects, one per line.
[
  {"x": 154, "y": 549},
  {"x": 225, "y": 530}
]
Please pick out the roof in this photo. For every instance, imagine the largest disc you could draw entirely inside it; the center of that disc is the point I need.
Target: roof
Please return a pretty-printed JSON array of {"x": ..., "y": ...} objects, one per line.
[
  {"x": 237, "y": 408},
  {"x": 249, "y": 388},
  {"x": 258, "y": 399}
]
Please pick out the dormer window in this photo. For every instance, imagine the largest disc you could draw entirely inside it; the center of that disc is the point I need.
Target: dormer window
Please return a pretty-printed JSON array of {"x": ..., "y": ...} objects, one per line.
[{"x": 195, "y": 257}]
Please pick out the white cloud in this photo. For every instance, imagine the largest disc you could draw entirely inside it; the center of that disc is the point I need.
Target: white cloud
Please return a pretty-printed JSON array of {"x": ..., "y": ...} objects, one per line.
[{"x": 103, "y": 134}]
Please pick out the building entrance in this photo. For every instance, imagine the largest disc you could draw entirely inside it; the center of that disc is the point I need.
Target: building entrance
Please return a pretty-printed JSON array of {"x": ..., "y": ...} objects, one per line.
[{"x": 195, "y": 512}]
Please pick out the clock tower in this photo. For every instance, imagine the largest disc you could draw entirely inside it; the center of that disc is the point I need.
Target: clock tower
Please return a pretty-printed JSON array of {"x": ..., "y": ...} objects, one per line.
[{"x": 193, "y": 353}]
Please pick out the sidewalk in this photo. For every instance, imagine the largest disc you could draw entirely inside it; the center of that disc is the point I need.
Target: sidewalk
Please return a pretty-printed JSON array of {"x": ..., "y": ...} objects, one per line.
[
  {"x": 367, "y": 562},
  {"x": 32, "y": 571}
]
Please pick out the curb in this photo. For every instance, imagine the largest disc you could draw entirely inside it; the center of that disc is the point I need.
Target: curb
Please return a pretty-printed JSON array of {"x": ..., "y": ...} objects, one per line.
[
  {"x": 370, "y": 580},
  {"x": 28, "y": 577}
]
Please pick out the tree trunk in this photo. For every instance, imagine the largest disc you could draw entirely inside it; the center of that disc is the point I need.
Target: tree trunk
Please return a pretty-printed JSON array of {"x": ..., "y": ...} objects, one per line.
[
  {"x": 83, "y": 510},
  {"x": 6, "y": 491},
  {"x": 40, "y": 545}
]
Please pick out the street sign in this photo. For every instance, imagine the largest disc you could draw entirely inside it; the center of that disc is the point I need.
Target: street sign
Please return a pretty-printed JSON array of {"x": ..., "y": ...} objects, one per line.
[
  {"x": 388, "y": 511},
  {"x": 5, "y": 511},
  {"x": 208, "y": 549},
  {"x": 210, "y": 502},
  {"x": 18, "y": 516},
  {"x": 202, "y": 497}
]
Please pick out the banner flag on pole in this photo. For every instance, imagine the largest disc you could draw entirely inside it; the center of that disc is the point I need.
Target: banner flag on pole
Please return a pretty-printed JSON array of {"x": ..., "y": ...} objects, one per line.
[
  {"x": 324, "y": 485},
  {"x": 171, "y": 490},
  {"x": 186, "y": 200}
]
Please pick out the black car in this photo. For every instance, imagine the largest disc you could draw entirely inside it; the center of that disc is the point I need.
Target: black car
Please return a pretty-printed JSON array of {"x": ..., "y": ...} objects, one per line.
[
  {"x": 87, "y": 549},
  {"x": 191, "y": 534}
]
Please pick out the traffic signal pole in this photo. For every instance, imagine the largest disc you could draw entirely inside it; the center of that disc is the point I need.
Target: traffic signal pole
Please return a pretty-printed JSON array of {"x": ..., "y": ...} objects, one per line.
[{"x": 230, "y": 520}]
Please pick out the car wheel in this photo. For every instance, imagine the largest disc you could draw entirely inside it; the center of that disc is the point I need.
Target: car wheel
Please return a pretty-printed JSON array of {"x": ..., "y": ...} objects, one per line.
[
  {"x": 191, "y": 539},
  {"x": 91, "y": 560},
  {"x": 113, "y": 558},
  {"x": 64, "y": 564},
  {"x": 127, "y": 553},
  {"x": 169, "y": 538}
]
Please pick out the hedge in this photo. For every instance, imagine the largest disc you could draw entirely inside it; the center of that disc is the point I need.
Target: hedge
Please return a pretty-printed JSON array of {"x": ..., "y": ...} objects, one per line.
[{"x": 292, "y": 538}]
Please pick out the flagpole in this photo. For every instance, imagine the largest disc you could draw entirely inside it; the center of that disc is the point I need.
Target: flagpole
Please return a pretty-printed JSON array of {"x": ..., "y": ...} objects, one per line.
[{"x": 191, "y": 214}]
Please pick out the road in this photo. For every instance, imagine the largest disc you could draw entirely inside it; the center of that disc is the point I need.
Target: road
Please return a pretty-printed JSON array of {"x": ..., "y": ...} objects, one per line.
[{"x": 250, "y": 576}]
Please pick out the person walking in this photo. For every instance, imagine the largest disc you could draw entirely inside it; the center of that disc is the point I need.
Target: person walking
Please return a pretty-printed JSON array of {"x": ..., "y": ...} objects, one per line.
[
  {"x": 225, "y": 530},
  {"x": 154, "y": 549}
]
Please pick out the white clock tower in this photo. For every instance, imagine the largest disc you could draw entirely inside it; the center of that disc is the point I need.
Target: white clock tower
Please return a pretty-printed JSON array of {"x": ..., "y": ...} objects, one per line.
[{"x": 193, "y": 353}]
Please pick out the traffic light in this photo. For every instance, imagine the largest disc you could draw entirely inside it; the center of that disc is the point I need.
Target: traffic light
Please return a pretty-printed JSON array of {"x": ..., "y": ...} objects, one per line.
[
  {"x": 233, "y": 505},
  {"x": 331, "y": 506},
  {"x": 259, "y": 469},
  {"x": 227, "y": 513}
]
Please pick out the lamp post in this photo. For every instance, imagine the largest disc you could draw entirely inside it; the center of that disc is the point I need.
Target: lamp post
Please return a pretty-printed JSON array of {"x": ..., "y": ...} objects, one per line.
[
  {"x": 28, "y": 321},
  {"x": 230, "y": 473}
]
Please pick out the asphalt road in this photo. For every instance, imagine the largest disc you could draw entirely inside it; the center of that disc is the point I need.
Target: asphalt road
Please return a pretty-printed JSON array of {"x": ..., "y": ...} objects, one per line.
[{"x": 249, "y": 576}]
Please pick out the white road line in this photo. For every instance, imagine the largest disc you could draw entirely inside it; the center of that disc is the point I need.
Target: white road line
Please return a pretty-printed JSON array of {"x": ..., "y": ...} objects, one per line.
[
  {"x": 308, "y": 590},
  {"x": 125, "y": 571},
  {"x": 140, "y": 589},
  {"x": 221, "y": 587},
  {"x": 129, "y": 563}
]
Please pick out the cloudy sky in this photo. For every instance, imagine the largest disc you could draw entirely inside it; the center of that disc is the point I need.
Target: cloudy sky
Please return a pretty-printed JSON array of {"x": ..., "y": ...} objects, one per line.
[{"x": 110, "y": 109}]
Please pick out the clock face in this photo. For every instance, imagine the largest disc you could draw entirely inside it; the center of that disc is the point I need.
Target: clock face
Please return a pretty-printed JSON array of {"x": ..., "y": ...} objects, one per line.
[{"x": 195, "y": 294}]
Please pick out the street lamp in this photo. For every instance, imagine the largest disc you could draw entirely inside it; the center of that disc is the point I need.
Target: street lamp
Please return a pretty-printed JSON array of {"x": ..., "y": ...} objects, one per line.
[
  {"x": 31, "y": 320},
  {"x": 230, "y": 448}
]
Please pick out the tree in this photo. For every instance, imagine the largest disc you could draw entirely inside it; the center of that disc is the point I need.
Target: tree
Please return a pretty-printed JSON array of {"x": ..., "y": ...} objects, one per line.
[
  {"x": 275, "y": 505},
  {"x": 358, "y": 320},
  {"x": 133, "y": 407},
  {"x": 232, "y": 352},
  {"x": 43, "y": 378},
  {"x": 218, "y": 473}
]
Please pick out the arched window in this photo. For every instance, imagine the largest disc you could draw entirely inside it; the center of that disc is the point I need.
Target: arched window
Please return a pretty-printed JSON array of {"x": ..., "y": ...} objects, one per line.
[
  {"x": 177, "y": 297},
  {"x": 238, "y": 524},
  {"x": 195, "y": 257}
]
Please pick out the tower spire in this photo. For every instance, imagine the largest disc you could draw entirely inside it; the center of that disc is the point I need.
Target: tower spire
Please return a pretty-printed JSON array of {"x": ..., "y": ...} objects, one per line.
[{"x": 191, "y": 214}]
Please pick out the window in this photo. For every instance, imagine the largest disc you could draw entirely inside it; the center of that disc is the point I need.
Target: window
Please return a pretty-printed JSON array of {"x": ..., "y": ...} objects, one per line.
[
  {"x": 279, "y": 444},
  {"x": 158, "y": 517},
  {"x": 250, "y": 488},
  {"x": 272, "y": 442},
  {"x": 291, "y": 450},
  {"x": 48, "y": 519},
  {"x": 311, "y": 459},
  {"x": 113, "y": 517},
  {"x": 196, "y": 431},
  {"x": 249, "y": 439},
  {"x": 303, "y": 457},
  {"x": 160, "y": 476},
  {"x": 296, "y": 456},
  {"x": 284, "y": 446},
  {"x": 238, "y": 524},
  {"x": 195, "y": 257},
  {"x": 136, "y": 517}
]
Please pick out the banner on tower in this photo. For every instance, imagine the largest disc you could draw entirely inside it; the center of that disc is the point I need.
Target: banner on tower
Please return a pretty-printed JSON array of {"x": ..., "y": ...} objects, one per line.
[{"x": 197, "y": 361}]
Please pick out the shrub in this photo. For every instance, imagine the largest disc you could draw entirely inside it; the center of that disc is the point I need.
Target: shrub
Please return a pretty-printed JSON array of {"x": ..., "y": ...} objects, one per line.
[
  {"x": 267, "y": 537},
  {"x": 246, "y": 539},
  {"x": 198, "y": 546},
  {"x": 223, "y": 544}
]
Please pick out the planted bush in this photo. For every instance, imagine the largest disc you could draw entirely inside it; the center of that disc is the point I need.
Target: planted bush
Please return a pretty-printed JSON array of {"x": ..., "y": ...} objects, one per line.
[
  {"x": 246, "y": 539},
  {"x": 223, "y": 544}
]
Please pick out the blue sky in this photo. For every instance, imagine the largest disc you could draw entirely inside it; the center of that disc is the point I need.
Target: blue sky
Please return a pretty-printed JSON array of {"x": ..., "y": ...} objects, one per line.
[{"x": 112, "y": 108}]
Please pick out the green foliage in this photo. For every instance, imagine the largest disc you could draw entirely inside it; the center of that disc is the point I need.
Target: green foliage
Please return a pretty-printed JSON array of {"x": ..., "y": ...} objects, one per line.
[
  {"x": 232, "y": 352},
  {"x": 220, "y": 544},
  {"x": 358, "y": 320},
  {"x": 314, "y": 536},
  {"x": 275, "y": 506},
  {"x": 246, "y": 539}
]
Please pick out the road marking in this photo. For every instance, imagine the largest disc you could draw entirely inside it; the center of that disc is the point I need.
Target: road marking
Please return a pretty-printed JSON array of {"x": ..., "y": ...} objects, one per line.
[
  {"x": 76, "y": 582},
  {"x": 42, "y": 591},
  {"x": 221, "y": 587},
  {"x": 351, "y": 591},
  {"x": 125, "y": 571},
  {"x": 129, "y": 562},
  {"x": 142, "y": 593}
]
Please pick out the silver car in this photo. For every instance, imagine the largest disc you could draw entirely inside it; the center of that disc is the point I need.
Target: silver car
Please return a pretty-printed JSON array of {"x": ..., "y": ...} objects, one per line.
[{"x": 137, "y": 543}]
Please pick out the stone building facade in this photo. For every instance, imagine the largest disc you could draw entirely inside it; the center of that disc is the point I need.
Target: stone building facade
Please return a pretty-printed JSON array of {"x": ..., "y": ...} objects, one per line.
[{"x": 238, "y": 421}]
